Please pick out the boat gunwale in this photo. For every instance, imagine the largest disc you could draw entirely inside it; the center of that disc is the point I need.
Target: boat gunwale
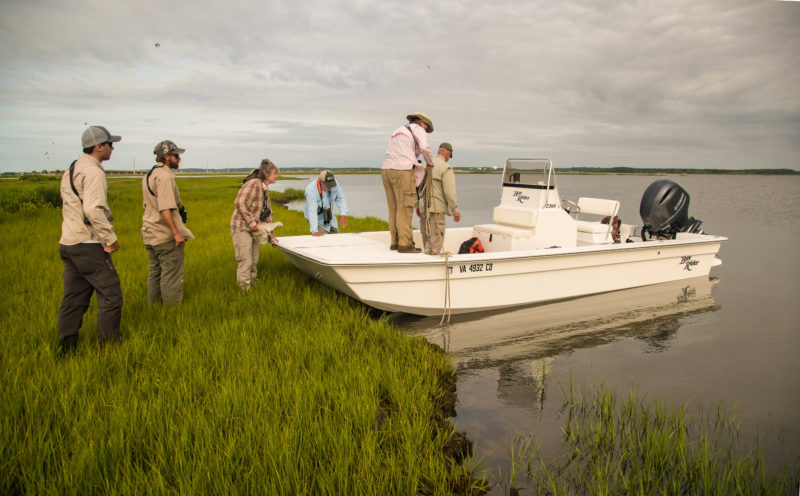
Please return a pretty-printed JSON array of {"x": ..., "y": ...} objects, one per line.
[{"x": 512, "y": 255}]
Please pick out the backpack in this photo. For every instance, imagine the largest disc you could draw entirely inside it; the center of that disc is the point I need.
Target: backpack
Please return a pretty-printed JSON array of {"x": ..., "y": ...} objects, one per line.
[{"x": 472, "y": 245}]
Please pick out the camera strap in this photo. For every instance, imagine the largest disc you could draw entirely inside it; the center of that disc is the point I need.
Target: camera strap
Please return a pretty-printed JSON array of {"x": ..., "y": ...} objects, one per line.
[
  {"x": 74, "y": 190},
  {"x": 71, "y": 182},
  {"x": 321, "y": 208},
  {"x": 147, "y": 180}
]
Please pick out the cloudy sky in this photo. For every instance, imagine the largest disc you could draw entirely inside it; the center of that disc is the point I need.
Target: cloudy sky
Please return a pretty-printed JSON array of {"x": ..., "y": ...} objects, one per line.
[{"x": 679, "y": 83}]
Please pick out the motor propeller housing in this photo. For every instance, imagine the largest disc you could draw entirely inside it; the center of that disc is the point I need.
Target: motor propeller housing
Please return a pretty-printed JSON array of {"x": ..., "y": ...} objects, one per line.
[{"x": 665, "y": 211}]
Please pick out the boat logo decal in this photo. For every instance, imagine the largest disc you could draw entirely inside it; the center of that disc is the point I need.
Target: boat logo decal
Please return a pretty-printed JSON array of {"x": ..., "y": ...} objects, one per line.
[
  {"x": 521, "y": 197},
  {"x": 688, "y": 263},
  {"x": 476, "y": 267}
]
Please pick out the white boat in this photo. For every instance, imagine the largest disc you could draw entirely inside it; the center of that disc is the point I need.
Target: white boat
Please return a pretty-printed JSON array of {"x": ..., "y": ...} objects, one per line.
[{"x": 538, "y": 249}]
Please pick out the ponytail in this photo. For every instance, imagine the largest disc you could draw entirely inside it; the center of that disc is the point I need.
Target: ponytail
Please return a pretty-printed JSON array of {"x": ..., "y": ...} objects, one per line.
[{"x": 262, "y": 172}]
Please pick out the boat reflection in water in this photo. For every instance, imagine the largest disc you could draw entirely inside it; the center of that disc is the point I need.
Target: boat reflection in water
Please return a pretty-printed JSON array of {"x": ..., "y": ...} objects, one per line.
[{"x": 521, "y": 343}]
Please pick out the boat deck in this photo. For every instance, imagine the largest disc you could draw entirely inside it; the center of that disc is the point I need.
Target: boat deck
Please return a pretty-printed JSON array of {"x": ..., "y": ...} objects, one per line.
[{"x": 369, "y": 248}]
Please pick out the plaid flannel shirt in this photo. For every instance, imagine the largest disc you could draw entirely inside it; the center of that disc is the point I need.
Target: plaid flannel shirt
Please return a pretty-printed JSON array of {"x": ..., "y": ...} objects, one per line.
[{"x": 249, "y": 204}]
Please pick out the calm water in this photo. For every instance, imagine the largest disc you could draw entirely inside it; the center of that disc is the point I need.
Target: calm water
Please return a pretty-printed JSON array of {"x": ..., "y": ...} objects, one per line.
[{"x": 734, "y": 339}]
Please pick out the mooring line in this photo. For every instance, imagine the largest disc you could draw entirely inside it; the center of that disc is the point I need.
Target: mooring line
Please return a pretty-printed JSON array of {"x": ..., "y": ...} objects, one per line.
[{"x": 446, "y": 309}]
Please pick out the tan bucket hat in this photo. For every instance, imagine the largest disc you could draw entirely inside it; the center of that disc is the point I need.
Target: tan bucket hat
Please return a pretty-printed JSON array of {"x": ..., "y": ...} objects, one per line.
[{"x": 423, "y": 117}]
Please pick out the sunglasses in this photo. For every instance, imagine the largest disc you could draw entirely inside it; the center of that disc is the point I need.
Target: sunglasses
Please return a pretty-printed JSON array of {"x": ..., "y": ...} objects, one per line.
[{"x": 109, "y": 144}]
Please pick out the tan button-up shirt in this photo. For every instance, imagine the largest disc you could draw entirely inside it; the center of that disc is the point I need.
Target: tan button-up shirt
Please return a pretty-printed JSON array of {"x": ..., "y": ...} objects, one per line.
[
  {"x": 443, "y": 188},
  {"x": 164, "y": 196},
  {"x": 89, "y": 179}
]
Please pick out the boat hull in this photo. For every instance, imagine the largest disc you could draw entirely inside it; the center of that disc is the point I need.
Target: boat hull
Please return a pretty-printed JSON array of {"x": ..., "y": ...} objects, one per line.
[{"x": 362, "y": 266}]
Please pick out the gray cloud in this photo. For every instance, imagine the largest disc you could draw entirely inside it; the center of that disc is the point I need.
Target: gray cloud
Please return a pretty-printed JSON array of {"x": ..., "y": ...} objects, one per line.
[{"x": 325, "y": 82}]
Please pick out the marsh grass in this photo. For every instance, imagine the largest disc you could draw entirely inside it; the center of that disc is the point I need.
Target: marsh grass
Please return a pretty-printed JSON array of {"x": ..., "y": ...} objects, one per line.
[
  {"x": 289, "y": 389},
  {"x": 616, "y": 445},
  {"x": 27, "y": 197}
]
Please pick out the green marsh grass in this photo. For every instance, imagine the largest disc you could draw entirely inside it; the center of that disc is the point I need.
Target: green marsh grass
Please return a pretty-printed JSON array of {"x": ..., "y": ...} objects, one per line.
[
  {"x": 631, "y": 445},
  {"x": 289, "y": 389}
]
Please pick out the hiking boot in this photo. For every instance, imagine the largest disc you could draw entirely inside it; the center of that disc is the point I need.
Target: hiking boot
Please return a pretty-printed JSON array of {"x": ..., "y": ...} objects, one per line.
[
  {"x": 408, "y": 249},
  {"x": 393, "y": 247},
  {"x": 68, "y": 345}
]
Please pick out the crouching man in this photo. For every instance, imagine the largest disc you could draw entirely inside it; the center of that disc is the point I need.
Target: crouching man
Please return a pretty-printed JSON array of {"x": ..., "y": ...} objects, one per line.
[{"x": 321, "y": 194}]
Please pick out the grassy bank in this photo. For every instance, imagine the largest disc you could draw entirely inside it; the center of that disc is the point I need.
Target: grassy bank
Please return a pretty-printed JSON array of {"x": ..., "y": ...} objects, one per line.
[{"x": 290, "y": 389}]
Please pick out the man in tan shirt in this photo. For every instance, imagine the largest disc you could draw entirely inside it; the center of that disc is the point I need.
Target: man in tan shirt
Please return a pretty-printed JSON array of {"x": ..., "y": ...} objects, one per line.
[
  {"x": 87, "y": 241},
  {"x": 163, "y": 230},
  {"x": 443, "y": 201}
]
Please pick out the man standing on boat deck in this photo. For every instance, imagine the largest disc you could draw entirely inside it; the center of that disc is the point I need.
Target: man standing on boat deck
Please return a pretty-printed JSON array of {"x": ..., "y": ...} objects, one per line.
[
  {"x": 87, "y": 241},
  {"x": 400, "y": 173},
  {"x": 443, "y": 201},
  {"x": 163, "y": 230},
  {"x": 321, "y": 194}
]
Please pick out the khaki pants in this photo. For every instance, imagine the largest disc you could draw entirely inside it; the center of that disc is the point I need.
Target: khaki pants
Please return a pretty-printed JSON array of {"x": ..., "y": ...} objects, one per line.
[
  {"x": 245, "y": 248},
  {"x": 165, "y": 280},
  {"x": 399, "y": 188},
  {"x": 87, "y": 269},
  {"x": 432, "y": 231}
]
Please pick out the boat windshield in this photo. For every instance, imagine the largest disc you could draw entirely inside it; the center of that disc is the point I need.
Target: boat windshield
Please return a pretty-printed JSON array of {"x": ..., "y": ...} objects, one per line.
[{"x": 528, "y": 172}]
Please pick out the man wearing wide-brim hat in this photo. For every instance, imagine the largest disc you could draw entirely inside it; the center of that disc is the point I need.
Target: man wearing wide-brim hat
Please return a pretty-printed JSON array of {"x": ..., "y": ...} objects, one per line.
[{"x": 401, "y": 173}]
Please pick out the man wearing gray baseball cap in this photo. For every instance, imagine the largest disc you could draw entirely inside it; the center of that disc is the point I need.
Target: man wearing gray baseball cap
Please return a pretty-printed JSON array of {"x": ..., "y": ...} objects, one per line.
[
  {"x": 443, "y": 201},
  {"x": 87, "y": 241},
  {"x": 163, "y": 230}
]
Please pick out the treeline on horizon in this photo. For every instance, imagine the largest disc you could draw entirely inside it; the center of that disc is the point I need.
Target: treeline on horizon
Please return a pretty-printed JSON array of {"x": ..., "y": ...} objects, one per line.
[{"x": 484, "y": 170}]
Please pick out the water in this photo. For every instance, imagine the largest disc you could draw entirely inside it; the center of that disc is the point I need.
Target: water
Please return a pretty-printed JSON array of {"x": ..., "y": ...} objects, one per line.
[{"x": 733, "y": 340}]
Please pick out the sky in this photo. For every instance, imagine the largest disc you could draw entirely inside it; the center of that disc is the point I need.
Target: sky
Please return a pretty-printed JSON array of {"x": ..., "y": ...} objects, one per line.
[{"x": 323, "y": 83}]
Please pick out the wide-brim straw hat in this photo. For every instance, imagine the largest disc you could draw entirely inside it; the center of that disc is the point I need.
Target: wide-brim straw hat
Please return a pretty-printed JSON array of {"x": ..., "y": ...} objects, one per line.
[{"x": 423, "y": 117}]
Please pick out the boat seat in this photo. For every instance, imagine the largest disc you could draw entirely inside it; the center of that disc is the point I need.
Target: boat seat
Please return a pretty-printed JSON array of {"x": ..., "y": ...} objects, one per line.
[
  {"x": 588, "y": 226},
  {"x": 596, "y": 206},
  {"x": 515, "y": 216}
]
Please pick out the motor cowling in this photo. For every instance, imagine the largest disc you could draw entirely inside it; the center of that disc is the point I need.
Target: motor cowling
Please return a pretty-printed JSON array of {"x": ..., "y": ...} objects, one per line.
[{"x": 665, "y": 211}]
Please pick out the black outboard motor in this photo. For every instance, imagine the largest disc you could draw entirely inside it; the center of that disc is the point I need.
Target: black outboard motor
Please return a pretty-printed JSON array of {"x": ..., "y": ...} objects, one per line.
[{"x": 665, "y": 211}]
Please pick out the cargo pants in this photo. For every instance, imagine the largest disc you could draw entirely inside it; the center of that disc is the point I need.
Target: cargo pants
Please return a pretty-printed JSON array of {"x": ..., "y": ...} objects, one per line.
[
  {"x": 88, "y": 269},
  {"x": 165, "y": 280}
]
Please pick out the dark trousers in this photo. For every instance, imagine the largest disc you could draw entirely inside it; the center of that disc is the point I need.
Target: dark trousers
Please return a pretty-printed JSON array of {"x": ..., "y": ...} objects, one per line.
[{"x": 88, "y": 268}]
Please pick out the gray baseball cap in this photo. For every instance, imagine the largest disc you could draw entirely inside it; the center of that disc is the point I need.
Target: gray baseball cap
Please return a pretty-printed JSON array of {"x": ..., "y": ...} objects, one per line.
[
  {"x": 447, "y": 146},
  {"x": 95, "y": 135},
  {"x": 167, "y": 147}
]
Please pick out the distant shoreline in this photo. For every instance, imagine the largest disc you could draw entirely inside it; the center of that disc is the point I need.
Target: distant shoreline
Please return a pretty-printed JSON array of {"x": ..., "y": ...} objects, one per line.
[{"x": 461, "y": 170}]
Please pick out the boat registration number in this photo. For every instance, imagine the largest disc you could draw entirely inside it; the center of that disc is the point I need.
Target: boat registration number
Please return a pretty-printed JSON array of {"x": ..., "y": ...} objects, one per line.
[{"x": 476, "y": 267}]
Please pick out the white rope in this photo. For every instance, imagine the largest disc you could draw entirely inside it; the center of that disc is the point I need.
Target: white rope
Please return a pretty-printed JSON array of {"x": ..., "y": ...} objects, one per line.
[{"x": 446, "y": 309}]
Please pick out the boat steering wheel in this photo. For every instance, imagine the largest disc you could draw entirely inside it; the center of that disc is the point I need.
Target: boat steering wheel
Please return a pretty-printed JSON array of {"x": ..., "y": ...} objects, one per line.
[{"x": 570, "y": 207}]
